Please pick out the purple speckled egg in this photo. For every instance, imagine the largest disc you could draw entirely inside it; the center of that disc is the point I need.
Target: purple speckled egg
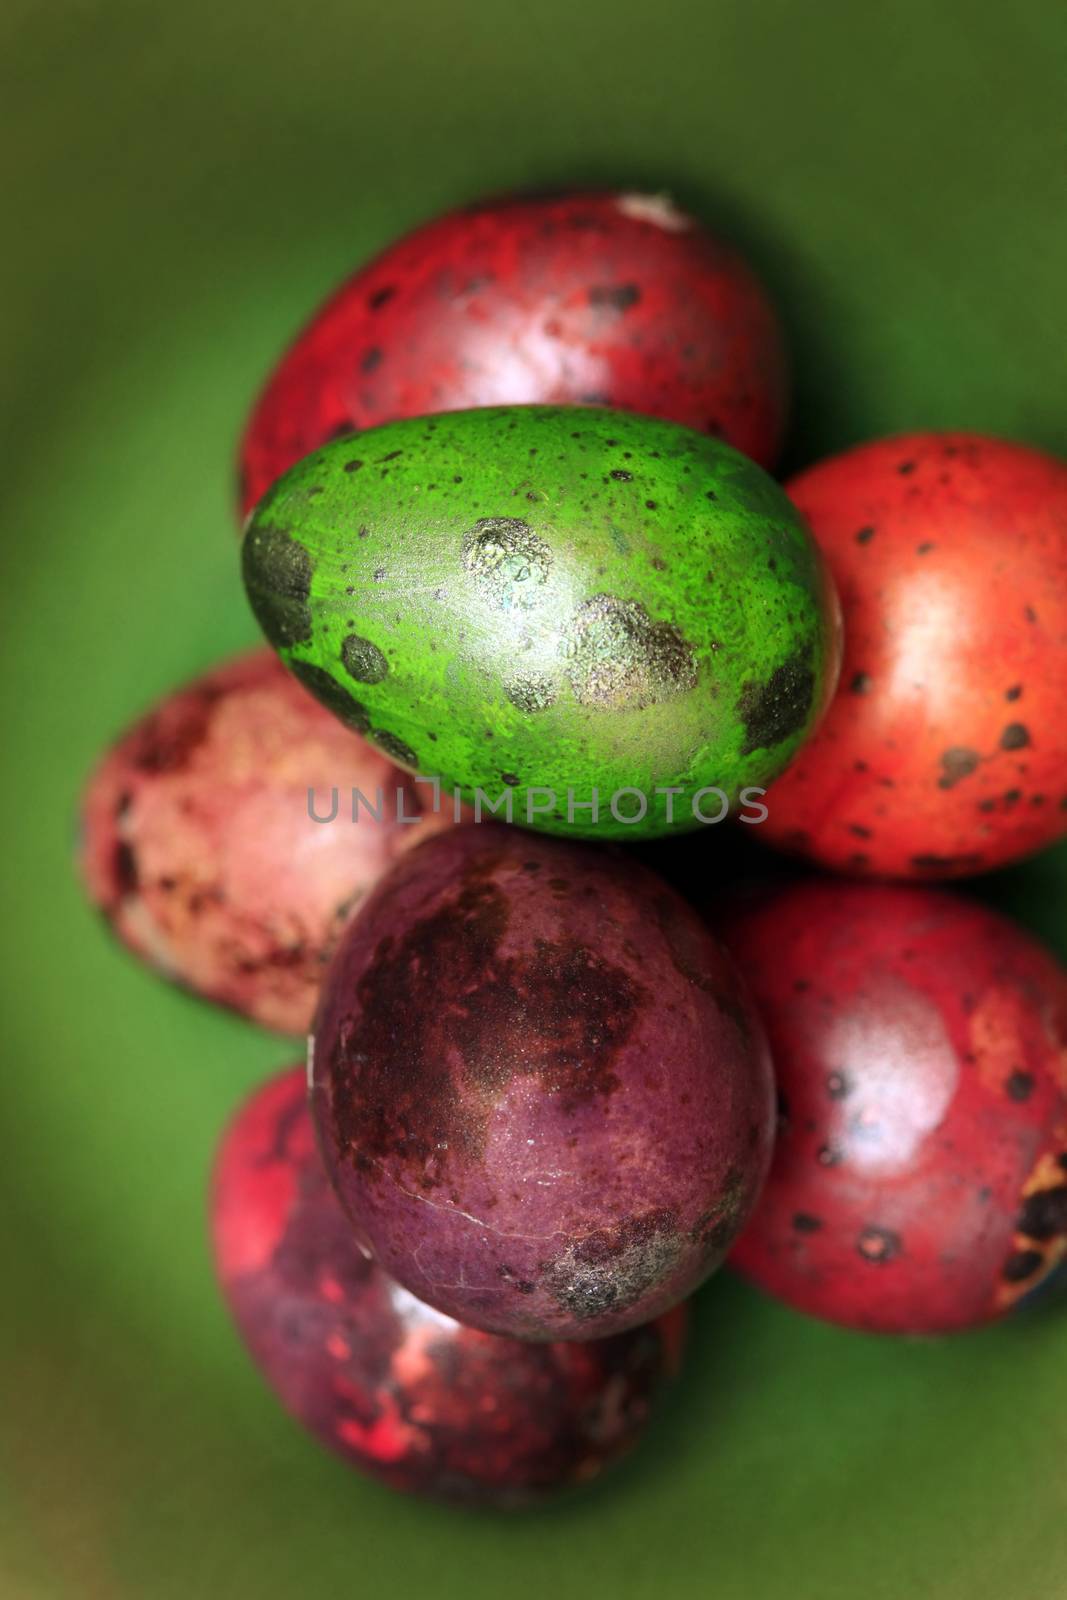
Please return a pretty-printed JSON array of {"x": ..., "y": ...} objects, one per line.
[
  {"x": 198, "y": 845},
  {"x": 542, "y": 1092},
  {"x": 396, "y": 1388}
]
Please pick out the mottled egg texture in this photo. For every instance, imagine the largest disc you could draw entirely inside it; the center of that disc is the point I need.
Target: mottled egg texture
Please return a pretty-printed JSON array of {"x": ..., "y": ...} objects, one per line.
[
  {"x": 945, "y": 750},
  {"x": 919, "y": 1183},
  {"x": 540, "y": 602},
  {"x": 541, "y": 1091},
  {"x": 577, "y": 299},
  {"x": 394, "y": 1387},
  {"x": 199, "y": 845}
]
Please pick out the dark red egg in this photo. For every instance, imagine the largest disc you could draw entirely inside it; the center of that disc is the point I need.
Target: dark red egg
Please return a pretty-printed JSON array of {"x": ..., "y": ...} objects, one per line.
[
  {"x": 945, "y": 750},
  {"x": 541, "y": 1089},
  {"x": 396, "y": 1388},
  {"x": 576, "y": 299},
  {"x": 201, "y": 847},
  {"x": 919, "y": 1183}
]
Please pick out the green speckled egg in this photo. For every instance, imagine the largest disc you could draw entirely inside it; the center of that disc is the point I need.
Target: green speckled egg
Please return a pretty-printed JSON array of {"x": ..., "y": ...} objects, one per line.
[{"x": 543, "y": 602}]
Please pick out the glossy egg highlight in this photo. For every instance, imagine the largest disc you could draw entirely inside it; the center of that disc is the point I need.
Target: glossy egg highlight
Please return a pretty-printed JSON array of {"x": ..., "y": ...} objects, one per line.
[
  {"x": 919, "y": 1183},
  {"x": 578, "y": 299}
]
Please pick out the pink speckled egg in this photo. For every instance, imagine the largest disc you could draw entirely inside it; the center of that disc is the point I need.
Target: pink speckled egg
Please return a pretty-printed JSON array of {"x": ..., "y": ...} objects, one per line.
[{"x": 199, "y": 845}]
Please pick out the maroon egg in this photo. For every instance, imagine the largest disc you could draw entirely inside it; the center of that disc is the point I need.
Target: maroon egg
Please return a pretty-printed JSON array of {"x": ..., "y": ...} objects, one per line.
[
  {"x": 541, "y": 1090},
  {"x": 575, "y": 299},
  {"x": 199, "y": 844},
  {"x": 392, "y": 1385},
  {"x": 919, "y": 1183}
]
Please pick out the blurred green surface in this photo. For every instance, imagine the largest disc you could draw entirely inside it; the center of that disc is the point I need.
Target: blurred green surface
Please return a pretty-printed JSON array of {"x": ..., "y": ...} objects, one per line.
[{"x": 182, "y": 185}]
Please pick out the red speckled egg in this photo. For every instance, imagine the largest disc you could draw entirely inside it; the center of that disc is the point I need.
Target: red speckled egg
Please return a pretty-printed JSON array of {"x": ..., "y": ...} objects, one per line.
[
  {"x": 541, "y": 1090},
  {"x": 598, "y": 299},
  {"x": 920, "y": 1179},
  {"x": 198, "y": 845},
  {"x": 945, "y": 750},
  {"x": 396, "y": 1388}
]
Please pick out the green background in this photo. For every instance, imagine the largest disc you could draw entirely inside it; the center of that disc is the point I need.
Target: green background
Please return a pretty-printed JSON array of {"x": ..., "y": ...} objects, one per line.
[{"x": 181, "y": 185}]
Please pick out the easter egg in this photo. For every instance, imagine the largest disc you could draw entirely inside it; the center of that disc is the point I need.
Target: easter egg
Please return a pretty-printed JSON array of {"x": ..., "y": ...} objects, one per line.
[
  {"x": 919, "y": 1182},
  {"x": 230, "y": 832},
  {"x": 594, "y": 621},
  {"x": 588, "y": 298},
  {"x": 395, "y": 1388},
  {"x": 540, "y": 1088},
  {"x": 945, "y": 750}
]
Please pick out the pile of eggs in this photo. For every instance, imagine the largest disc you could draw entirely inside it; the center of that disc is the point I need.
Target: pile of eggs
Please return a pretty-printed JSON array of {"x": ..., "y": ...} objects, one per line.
[{"x": 536, "y": 607}]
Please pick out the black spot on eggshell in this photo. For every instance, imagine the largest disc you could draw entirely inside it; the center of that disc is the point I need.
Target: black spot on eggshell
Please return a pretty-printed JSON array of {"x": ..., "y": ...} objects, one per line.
[
  {"x": 169, "y": 743},
  {"x": 1016, "y": 736},
  {"x": 277, "y": 575},
  {"x": 615, "y": 297},
  {"x": 363, "y": 660},
  {"x": 1022, "y": 1264},
  {"x": 936, "y": 863},
  {"x": 1044, "y": 1214},
  {"x": 331, "y": 694},
  {"x": 394, "y": 747},
  {"x": 804, "y": 1222},
  {"x": 957, "y": 763},
  {"x": 775, "y": 710},
  {"x": 1020, "y": 1085},
  {"x": 124, "y": 869}
]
